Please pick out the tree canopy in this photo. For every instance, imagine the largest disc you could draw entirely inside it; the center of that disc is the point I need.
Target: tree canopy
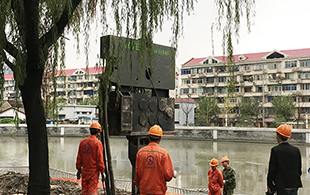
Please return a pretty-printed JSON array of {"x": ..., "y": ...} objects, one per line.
[
  {"x": 249, "y": 110},
  {"x": 206, "y": 111},
  {"x": 283, "y": 109},
  {"x": 32, "y": 40}
]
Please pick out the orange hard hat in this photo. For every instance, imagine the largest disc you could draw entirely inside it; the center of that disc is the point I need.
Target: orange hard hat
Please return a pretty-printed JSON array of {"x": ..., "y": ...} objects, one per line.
[
  {"x": 284, "y": 130},
  {"x": 156, "y": 130},
  {"x": 96, "y": 125},
  {"x": 225, "y": 159},
  {"x": 214, "y": 162}
]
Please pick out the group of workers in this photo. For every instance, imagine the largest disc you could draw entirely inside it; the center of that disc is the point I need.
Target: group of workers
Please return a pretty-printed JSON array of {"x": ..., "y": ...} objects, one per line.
[
  {"x": 218, "y": 180},
  {"x": 153, "y": 167}
]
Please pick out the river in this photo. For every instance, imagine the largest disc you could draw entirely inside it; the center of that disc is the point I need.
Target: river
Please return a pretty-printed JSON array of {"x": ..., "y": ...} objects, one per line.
[{"x": 190, "y": 158}]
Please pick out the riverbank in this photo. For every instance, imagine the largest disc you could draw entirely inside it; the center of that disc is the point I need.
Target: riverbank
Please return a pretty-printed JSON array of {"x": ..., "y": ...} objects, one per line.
[{"x": 243, "y": 134}]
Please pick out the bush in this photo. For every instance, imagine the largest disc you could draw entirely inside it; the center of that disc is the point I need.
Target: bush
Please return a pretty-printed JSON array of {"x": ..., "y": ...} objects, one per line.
[{"x": 7, "y": 120}]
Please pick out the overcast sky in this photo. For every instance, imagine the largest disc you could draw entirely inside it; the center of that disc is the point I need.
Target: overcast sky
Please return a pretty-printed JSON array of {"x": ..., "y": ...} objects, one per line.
[{"x": 278, "y": 25}]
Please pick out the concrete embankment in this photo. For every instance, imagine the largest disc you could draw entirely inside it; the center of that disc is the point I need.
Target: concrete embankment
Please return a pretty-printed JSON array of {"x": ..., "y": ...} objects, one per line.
[{"x": 244, "y": 134}]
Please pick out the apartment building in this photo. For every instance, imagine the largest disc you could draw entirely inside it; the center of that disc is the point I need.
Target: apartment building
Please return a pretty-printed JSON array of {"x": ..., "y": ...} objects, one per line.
[
  {"x": 73, "y": 85},
  {"x": 77, "y": 85},
  {"x": 257, "y": 75}
]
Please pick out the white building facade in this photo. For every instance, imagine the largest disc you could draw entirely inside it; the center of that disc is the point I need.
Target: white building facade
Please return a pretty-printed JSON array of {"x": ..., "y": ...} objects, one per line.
[
  {"x": 257, "y": 75},
  {"x": 73, "y": 85},
  {"x": 184, "y": 112}
]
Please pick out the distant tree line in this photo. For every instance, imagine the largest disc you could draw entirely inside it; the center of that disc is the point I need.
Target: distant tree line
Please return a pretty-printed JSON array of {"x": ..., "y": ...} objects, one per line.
[{"x": 248, "y": 111}]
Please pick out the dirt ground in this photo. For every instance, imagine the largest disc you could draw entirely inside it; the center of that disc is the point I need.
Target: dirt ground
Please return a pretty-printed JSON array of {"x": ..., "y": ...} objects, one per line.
[{"x": 16, "y": 183}]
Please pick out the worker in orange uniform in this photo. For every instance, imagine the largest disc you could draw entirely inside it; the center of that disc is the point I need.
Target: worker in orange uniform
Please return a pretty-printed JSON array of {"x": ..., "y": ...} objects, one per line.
[
  {"x": 89, "y": 160},
  {"x": 153, "y": 165},
  {"x": 215, "y": 178}
]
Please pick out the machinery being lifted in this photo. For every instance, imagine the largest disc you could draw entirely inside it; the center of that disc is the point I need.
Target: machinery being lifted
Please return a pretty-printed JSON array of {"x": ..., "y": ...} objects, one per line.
[{"x": 141, "y": 76}]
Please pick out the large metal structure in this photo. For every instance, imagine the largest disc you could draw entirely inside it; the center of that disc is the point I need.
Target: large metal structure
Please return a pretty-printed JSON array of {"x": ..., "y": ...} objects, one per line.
[{"x": 141, "y": 82}]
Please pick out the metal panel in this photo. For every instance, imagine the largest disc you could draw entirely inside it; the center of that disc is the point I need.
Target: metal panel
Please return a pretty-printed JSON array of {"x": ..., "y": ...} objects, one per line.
[{"x": 132, "y": 66}]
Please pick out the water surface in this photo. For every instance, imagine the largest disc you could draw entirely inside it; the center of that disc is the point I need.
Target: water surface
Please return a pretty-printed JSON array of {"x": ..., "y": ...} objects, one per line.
[{"x": 190, "y": 158}]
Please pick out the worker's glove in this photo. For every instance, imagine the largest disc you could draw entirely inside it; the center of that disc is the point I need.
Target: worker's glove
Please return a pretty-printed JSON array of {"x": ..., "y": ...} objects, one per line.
[
  {"x": 175, "y": 173},
  {"x": 224, "y": 181},
  {"x": 78, "y": 174}
]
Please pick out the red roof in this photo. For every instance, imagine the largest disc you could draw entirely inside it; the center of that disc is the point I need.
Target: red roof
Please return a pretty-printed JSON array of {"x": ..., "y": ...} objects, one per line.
[
  {"x": 91, "y": 70},
  {"x": 184, "y": 100},
  {"x": 253, "y": 56},
  {"x": 8, "y": 77}
]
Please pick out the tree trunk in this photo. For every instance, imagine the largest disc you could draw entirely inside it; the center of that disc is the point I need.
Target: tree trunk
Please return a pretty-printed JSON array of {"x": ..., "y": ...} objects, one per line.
[{"x": 39, "y": 179}]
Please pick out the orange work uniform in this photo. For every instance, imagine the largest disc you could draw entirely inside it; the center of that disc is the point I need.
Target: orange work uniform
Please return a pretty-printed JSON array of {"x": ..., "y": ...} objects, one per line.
[
  {"x": 90, "y": 160},
  {"x": 215, "y": 182},
  {"x": 153, "y": 169}
]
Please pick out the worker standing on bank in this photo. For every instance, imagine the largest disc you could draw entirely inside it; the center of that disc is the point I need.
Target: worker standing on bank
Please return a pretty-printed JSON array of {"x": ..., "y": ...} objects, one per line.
[
  {"x": 215, "y": 178},
  {"x": 229, "y": 177},
  {"x": 153, "y": 165},
  {"x": 89, "y": 160},
  {"x": 284, "y": 165}
]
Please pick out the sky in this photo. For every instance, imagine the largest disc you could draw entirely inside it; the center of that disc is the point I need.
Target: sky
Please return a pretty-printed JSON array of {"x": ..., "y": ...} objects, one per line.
[{"x": 277, "y": 25}]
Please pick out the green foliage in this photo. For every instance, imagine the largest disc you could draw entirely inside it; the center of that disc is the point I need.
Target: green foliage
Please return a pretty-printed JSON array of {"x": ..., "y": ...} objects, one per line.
[
  {"x": 283, "y": 107},
  {"x": 249, "y": 110},
  {"x": 7, "y": 121},
  {"x": 91, "y": 101},
  {"x": 206, "y": 111}
]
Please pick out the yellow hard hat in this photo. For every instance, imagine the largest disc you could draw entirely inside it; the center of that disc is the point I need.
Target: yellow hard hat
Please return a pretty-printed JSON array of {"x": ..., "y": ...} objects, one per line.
[
  {"x": 214, "y": 162},
  {"x": 156, "y": 130},
  {"x": 225, "y": 159},
  {"x": 285, "y": 130},
  {"x": 96, "y": 125}
]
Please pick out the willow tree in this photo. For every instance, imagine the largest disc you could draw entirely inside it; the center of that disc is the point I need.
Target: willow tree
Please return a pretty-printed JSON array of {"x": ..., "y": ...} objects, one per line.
[{"x": 32, "y": 39}]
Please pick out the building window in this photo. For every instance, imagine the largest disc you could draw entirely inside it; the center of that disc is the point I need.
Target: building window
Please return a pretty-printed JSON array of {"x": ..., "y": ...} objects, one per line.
[
  {"x": 185, "y": 71},
  {"x": 209, "y": 69},
  {"x": 259, "y": 77},
  {"x": 199, "y": 90},
  {"x": 259, "y": 88},
  {"x": 221, "y": 79},
  {"x": 259, "y": 67},
  {"x": 274, "y": 66},
  {"x": 289, "y": 76},
  {"x": 186, "y": 81},
  {"x": 306, "y": 99},
  {"x": 290, "y": 64},
  {"x": 209, "y": 90},
  {"x": 60, "y": 86},
  {"x": 185, "y": 91},
  {"x": 176, "y": 106},
  {"x": 208, "y": 80},
  {"x": 289, "y": 87},
  {"x": 269, "y": 98},
  {"x": 220, "y": 90},
  {"x": 305, "y": 64},
  {"x": 220, "y": 69},
  {"x": 248, "y": 78},
  {"x": 248, "y": 67},
  {"x": 248, "y": 89},
  {"x": 304, "y": 87},
  {"x": 274, "y": 88},
  {"x": 196, "y": 80},
  {"x": 304, "y": 75}
]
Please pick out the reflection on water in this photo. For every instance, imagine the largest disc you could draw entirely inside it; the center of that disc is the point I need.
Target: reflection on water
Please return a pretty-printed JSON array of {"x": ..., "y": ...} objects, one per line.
[{"x": 190, "y": 158}]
